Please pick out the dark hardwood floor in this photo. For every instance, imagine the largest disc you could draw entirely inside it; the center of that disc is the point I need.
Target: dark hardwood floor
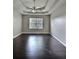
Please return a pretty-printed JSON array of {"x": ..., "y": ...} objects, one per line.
[{"x": 38, "y": 47}]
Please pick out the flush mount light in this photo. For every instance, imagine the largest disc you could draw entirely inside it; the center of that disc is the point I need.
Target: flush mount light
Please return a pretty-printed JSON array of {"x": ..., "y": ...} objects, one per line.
[{"x": 33, "y": 11}]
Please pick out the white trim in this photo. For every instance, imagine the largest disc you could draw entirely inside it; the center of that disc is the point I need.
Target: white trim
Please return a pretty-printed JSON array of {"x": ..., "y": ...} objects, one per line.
[
  {"x": 59, "y": 40},
  {"x": 17, "y": 35},
  {"x": 30, "y": 33},
  {"x": 35, "y": 33}
]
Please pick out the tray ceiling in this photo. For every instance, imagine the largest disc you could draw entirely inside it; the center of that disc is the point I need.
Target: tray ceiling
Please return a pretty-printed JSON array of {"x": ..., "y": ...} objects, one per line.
[{"x": 50, "y": 6}]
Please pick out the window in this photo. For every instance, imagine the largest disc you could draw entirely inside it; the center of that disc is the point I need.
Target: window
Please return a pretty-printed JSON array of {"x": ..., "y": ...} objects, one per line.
[{"x": 35, "y": 23}]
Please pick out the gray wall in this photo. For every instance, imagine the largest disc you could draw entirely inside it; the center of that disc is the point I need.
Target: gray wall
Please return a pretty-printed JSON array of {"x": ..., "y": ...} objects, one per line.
[
  {"x": 17, "y": 23},
  {"x": 59, "y": 28},
  {"x": 58, "y": 23},
  {"x": 25, "y": 24}
]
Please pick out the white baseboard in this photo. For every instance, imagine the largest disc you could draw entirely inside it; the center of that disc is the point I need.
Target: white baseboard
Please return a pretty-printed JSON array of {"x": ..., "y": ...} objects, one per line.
[
  {"x": 29, "y": 33},
  {"x": 59, "y": 40},
  {"x": 35, "y": 33},
  {"x": 17, "y": 35}
]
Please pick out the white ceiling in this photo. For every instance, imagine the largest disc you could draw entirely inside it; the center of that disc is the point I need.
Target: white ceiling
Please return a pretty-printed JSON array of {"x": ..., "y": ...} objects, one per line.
[
  {"x": 30, "y": 3},
  {"x": 50, "y": 7}
]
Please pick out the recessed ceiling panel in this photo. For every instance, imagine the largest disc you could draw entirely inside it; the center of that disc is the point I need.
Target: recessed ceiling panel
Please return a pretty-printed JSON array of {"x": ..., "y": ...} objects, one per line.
[{"x": 21, "y": 6}]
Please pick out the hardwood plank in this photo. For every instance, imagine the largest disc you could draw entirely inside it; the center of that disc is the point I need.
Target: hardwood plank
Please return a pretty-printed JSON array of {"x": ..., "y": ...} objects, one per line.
[{"x": 38, "y": 47}]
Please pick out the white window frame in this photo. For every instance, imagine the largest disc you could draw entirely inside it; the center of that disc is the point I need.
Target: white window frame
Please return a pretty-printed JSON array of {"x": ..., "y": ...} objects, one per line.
[{"x": 35, "y": 23}]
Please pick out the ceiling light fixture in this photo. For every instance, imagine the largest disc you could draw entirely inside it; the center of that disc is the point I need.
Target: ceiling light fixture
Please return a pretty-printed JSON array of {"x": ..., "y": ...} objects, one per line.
[{"x": 33, "y": 11}]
